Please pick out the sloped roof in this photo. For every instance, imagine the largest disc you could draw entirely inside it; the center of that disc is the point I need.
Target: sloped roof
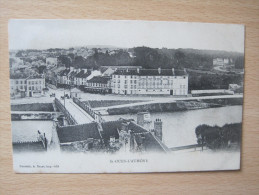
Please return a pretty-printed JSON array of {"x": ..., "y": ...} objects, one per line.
[
  {"x": 99, "y": 79},
  {"x": 150, "y": 141},
  {"x": 64, "y": 72},
  {"x": 151, "y": 72},
  {"x": 75, "y": 90},
  {"x": 56, "y": 70},
  {"x": 83, "y": 132},
  {"x": 110, "y": 128},
  {"x": 35, "y": 76},
  {"x": 19, "y": 76},
  {"x": 82, "y": 74},
  {"x": 72, "y": 73},
  {"x": 78, "y": 132}
]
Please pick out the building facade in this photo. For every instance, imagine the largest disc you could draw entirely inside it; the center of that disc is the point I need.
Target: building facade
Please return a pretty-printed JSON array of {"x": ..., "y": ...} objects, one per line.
[
  {"x": 30, "y": 86},
  {"x": 99, "y": 84},
  {"x": 150, "y": 82},
  {"x": 35, "y": 85}
]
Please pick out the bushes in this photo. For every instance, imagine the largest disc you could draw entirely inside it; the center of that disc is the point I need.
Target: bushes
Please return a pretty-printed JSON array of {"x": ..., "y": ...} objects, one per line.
[{"x": 219, "y": 137}]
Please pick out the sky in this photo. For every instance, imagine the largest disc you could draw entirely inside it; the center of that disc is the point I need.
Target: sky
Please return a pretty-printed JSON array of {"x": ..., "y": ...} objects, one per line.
[{"x": 45, "y": 34}]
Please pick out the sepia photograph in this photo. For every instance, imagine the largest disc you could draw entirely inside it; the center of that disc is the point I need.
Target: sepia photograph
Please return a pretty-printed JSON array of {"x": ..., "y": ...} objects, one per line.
[{"x": 125, "y": 96}]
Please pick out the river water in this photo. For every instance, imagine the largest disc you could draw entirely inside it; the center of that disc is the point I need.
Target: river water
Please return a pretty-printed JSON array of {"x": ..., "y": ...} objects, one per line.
[
  {"x": 27, "y": 130},
  {"x": 179, "y": 127}
]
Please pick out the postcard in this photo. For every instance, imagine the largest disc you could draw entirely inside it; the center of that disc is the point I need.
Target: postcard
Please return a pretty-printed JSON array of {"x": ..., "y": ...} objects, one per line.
[{"x": 118, "y": 96}]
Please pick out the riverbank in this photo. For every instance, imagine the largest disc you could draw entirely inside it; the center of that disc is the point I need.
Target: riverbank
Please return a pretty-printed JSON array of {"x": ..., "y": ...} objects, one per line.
[{"x": 175, "y": 106}]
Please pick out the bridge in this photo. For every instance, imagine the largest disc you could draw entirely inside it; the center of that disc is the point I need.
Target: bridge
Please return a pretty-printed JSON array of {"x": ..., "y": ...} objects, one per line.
[{"x": 73, "y": 112}]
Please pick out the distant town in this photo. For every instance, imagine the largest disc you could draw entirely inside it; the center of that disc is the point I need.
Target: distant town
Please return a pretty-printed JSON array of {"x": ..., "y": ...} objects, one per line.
[{"x": 32, "y": 71}]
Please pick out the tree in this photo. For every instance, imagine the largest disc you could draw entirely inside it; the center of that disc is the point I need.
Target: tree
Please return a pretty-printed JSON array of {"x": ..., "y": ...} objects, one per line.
[
  {"x": 239, "y": 62},
  {"x": 64, "y": 60},
  {"x": 179, "y": 57},
  {"x": 215, "y": 137},
  {"x": 79, "y": 62}
]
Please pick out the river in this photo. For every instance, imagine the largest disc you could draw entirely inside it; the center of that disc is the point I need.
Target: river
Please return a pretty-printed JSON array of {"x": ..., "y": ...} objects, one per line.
[
  {"x": 179, "y": 127},
  {"x": 27, "y": 130}
]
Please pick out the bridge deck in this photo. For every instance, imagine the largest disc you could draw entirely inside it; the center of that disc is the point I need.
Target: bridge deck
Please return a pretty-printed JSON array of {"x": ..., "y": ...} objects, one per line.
[{"x": 77, "y": 113}]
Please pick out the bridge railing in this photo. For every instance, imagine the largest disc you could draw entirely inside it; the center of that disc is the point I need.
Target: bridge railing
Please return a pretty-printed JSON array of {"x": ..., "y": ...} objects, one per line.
[
  {"x": 194, "y": 146},
  {"x": 95, "y": 115},
  {"x": 71, "y": 120}
]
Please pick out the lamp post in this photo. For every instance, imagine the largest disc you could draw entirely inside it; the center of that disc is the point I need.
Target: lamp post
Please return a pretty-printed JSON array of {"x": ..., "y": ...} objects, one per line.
[{"x": 64, "y": 99}]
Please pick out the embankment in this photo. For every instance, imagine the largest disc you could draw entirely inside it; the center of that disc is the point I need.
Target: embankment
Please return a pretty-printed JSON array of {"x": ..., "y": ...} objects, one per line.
[
  {"x": 181, "y": 105},
  {"x": 46, "y": 107}
]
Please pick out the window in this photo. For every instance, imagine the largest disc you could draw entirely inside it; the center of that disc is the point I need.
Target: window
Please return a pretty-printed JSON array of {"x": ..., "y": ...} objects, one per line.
[{"x": 16, "y": 82}]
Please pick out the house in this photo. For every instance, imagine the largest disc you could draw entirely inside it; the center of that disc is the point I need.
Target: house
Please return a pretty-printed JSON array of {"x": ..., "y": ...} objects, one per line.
[
  {"x": 150, "y": 82},
  {"x": 62, "y": 78},
  {"x": 81, "y": 77},
  {"x": 75, "y": 93},
  {"x": 35, "y": 85},
  {"x": 99, "y": 84},
  {"x": 24, "y": 85}
]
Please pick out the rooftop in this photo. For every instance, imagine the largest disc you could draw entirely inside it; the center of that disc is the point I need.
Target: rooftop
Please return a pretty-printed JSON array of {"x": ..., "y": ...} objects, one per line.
[
  {"x": 25, "y": 76},
  {"x": 78, "y": 132},
  {"x": 82, "y": 74},
  {"x": 152, "y": 72},
  {"x": 82, "y": 132},
  {"x": 99, "y": 79}
]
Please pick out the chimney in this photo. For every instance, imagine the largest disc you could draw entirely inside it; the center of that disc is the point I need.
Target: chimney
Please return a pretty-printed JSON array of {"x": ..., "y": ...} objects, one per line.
[
  {"x": 138, "y": 70},
  {"x": 185, "y": 70},
  {"x": 85, "y": 70},
  {"x": 173, "y": 71},
  {"x": 71, "y": 68},
  {"x": 158, "y": 128},
  {"x": 159, "y": 70}
]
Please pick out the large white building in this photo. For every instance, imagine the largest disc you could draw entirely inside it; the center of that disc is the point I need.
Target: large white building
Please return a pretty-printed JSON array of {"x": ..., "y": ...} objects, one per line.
[{"x": 150, "y": 81}]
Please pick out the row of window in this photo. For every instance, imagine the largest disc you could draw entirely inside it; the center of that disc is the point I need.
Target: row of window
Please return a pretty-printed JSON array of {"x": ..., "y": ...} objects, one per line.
[
  {"x": 29, "y": 82},
  {"x": 147, "y": 77},
  {"x": 96, "y": 85},
  {"x": 25, "y": 87},
  {"x": 125, "y": 76},
  {"x": 125, "y": 82}
]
